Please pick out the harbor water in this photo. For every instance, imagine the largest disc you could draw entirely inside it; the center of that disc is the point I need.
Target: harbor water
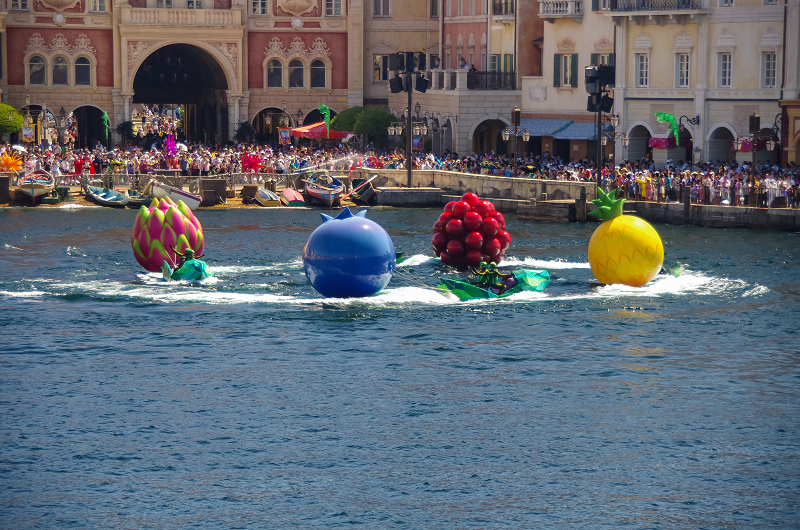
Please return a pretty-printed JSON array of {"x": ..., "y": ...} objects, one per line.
[{"x": 249, "y": 401}]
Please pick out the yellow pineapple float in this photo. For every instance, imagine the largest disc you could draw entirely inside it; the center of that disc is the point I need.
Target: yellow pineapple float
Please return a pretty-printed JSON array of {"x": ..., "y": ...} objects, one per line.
[{"x": 624, "y": 249}]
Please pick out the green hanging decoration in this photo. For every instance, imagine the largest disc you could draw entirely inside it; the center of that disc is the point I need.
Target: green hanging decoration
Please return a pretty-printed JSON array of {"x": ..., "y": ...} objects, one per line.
[
  {"x": 666, "y": 117},
  {"x": 326, "y": 115},
  {"x": 105, "y": 127}
]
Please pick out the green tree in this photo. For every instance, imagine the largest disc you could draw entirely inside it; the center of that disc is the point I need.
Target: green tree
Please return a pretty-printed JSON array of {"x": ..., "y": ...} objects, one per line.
[
  {"x": 375, "y": 124},
  {"x": 14, "y": 124},
  {"x": 244, "y": 132},
  {"x": 125, "y": 130},
  {"x": 346, "y": 120}
]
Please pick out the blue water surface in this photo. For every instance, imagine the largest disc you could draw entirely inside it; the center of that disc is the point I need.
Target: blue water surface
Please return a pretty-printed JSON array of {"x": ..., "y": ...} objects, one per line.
[{"x": 251, "y": 402}]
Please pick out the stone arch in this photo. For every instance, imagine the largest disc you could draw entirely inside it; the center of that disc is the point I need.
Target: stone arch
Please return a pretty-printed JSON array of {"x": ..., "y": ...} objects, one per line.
[
  {"x": 720, "y": 125},
  {"x": 139, "y": 51}
]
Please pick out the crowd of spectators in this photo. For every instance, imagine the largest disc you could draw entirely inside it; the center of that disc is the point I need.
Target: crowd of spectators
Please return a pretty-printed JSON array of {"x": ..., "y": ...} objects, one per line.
[{"x": 715, "y": 184}]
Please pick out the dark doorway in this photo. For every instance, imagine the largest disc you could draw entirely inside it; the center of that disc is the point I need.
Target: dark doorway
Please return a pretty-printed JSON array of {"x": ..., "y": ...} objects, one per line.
[
  {"x": 89, "y": 127},
  {"x": 182, "y": 74}
]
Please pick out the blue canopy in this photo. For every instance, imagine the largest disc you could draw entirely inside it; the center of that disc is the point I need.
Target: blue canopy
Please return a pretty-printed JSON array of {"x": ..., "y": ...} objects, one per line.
[
  {"x": 543, "y": 127},
  {"x": 580, "y": 131}
]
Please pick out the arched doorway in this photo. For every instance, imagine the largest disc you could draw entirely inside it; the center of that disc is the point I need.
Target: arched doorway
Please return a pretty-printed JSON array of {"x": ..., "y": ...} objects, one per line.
[
  {"x": 487, "y": 138},
  {"x": 638, "y": 146},
  {"x": 267, "y": 122},
  {"x": 720, "y": 146},
  {"x": 186, "y": 76},
  {"x": 86, "y": 126}
]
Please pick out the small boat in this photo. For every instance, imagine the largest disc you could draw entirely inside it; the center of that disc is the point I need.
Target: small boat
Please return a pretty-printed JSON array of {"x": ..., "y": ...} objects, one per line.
[
  {"x": 136, "y": 199},
  {"x": 265, "y": 197},
  {"x": 519, "y": 280},
  {"x": 107, "y": 197},
  {"x": 323, "y": 188},
  {"x": 37, "y": 184},
  {"x": 161, "y": 190},
  {"x": 292, "y": 197},
  {"x": 363, "y": 192},
  {"x": 192, "y": 270}
]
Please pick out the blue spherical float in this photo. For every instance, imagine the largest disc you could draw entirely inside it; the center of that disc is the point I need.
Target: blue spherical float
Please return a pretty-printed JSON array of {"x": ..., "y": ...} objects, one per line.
[{"x": 349, "y": 256}]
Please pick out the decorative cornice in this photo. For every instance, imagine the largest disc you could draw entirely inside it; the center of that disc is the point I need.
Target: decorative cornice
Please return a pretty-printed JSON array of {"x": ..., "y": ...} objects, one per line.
[
  {"x": 231, "y": 52},
  {"x": 60, "y": 45},
  {"x": 297, "y": 49}
]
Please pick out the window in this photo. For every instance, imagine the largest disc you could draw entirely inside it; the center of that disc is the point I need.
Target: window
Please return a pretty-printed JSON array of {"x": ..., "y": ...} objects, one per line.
[
  {"x": 296, "y": 74},
  {"x": 447, "y": 60},
  {"x": 317, "y": 74},
  {"x": 36, "y": 70},
  {"x": 724, "y": 70},
  {"x": 333, "y": 8},
  {"x": 768, "y": 66},
  {"x": 274, "y": 74},
  {"x": 194, "y": 4},
  {"x": 642, "y": 70},
  {"x": 681, "y": 70},
  {"x": 260, "y": 7},
  {"x": 83, "y": 72},
  {"x": 725, "y": 3},
  {"x": 164, "y": 4},
  {"x": 98, "y": 6},
  {"x": 380, "y": 68},
  {"x": 508, "y": 62},
  {"x": 435, "y": 8},
  {"x": 381, "y": 8},
  {"x": 494, "y": 62},
  {"x": 770, "y": 2},
  {"x": 565, "y": 70},
  {"x": 19, "y": 5},
  {"x": 60, "y": 71}
]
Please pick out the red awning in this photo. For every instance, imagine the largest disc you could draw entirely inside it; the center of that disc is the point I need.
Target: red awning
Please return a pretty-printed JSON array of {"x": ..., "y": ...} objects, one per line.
[{"x": 317, "y": 130}]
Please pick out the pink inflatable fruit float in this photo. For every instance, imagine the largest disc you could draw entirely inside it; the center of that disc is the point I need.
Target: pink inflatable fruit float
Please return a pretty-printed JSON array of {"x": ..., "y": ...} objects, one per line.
[
  {"x": 470, "y": 231},
  {"x": 163, "y": 224}
]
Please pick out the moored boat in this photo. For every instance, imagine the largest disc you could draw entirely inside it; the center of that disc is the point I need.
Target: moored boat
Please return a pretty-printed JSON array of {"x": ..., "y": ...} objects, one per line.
[
  {"x": 161, "y": 190},
  {"x": 363, "y": 191},
  {"x": 265, "y": 197},
  {"x": 136, "y": 199},
  {"x": 519, "y": 280},
  {"x": 323, "y": 188},
  {"x": 37, "y": 184},
  {"x": 107, "y": 197},
  {"x": 292, "y": 197}
]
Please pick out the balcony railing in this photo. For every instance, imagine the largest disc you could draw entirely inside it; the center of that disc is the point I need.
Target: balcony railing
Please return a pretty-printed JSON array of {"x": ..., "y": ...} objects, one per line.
[
  {"x": 555, "y": 8},
  {"x": 503, "y": 7},
  {"x": 180, "y": 17},
  {"x": 652, "y": 5},
  {"x": 491, "y": 80}
]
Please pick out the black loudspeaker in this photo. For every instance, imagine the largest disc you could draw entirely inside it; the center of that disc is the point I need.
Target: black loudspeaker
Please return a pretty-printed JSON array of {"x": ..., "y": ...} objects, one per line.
[
  {"x": 606, "y": 103},
  {"x": 396, "y": 84},
  {"x": 606, "y": 74},
  {"x": 591, "y": 104},
  {"x": 421, "y": 84}
]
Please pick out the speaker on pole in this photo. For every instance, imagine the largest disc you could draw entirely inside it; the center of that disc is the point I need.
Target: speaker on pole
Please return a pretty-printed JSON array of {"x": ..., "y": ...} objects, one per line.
[{"x": 396, "y": 84}]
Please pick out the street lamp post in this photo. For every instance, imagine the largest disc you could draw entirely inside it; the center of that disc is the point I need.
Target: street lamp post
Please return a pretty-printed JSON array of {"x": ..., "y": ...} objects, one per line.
[
  {"x": 771, "y": 137},
  {"x": 407, "y": 63},
  {"x": 515, "y": 131},
  {"x": 413, "y": 126}
]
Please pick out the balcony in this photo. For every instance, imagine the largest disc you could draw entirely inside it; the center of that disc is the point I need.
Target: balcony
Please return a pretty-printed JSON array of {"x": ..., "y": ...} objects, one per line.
[
  {"x": 653, "y": 5},
  {"x": 491, "y": 80},
  {"x": 180, "y": 17},
  {"x": 550, "y": 10},
  {"x": 503, "y": 7}
]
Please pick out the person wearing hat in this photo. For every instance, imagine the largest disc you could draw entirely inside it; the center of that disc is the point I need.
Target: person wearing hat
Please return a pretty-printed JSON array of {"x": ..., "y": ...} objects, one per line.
[{"x": 187, "y": 255}]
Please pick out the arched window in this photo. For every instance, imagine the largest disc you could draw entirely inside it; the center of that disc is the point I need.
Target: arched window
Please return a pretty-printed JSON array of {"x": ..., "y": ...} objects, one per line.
[
  {"x": 296, "y": 74},
  {"x": 60, "y": 71},
  {"x": 83, "y": 72},
  {"x": 36, "y": 70},
  {"x": 274, "y": 74},
  {"x": 317, "y": 74}
]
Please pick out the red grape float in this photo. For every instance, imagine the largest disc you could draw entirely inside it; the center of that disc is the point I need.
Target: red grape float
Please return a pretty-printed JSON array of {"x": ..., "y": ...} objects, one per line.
[{"x": 470, "y": 231}]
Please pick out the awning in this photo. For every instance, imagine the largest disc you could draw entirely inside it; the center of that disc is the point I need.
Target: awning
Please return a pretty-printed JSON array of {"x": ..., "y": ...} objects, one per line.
[
  {"x": 543, "y": 127},
  {"x": 317, "y": 130},
  {"x": 580, "y": 131}
]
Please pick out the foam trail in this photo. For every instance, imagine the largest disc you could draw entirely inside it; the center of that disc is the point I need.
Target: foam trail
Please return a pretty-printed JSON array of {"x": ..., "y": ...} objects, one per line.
[
  {"x": 542, "y": 264},
  {"x": 15, "y": 248},
  {"x": 417, "y": 259}
]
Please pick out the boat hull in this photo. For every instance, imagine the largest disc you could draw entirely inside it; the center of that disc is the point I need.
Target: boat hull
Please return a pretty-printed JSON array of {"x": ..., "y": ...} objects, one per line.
[
  {"x": 291, "y": 197},
  {"x": 194, "y": 270},
  {"x": 107, "y": 197},
  {"x": 161, "y": 190},
  {"x": 265, "y": 197},
  {"x": 37, "y": 184},
  {"x": 520, "y": 280}
]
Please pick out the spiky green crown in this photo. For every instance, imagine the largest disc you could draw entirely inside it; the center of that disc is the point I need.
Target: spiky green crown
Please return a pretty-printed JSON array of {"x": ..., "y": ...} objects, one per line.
[{"x": 607, "y": 206}]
